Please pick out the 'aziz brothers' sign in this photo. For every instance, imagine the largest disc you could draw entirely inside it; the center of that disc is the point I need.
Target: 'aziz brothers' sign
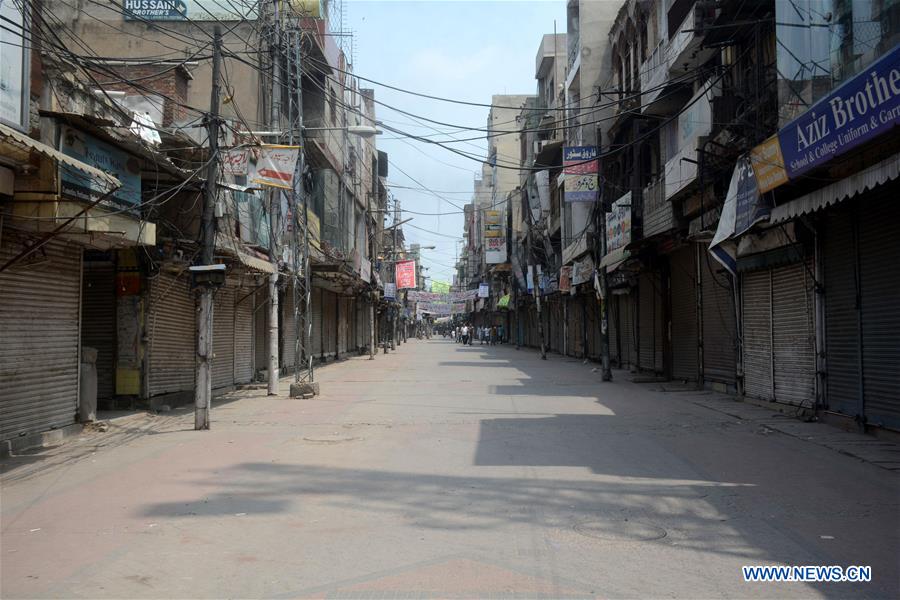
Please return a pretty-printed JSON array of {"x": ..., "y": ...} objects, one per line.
[{"x": 861, "y": 109}]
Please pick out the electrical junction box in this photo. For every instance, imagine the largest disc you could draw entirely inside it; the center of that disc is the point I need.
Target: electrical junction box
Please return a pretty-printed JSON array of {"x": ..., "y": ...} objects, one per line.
[{"x": 208, "y": 275}]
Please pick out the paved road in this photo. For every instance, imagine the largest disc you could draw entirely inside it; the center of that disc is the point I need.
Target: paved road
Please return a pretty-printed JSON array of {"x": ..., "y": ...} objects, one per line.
[{"x": 444, "y": 471}]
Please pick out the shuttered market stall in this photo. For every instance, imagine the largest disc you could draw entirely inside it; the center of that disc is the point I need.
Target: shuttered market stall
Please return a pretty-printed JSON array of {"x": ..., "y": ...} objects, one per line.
[
  {"x": 171, "y": 333},
  {"x": 98, "y": 321},
  {"x": 684, "y": 314},
  {"x": 39, "y": 338},
  {"x": 719, "y": 330},
  {"x": 223, "y": 339},
  {"x": 243, "y": 335}
]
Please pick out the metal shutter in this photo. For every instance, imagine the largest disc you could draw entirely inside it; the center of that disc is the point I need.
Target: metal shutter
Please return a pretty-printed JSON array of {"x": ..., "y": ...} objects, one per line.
[
  {"x": 288, "y": 328},
  {"x": 171, "y": 331},
  {"x": 684, "y": 314},
  {"x": 841, "y": 318},
  {"x": 317, "y": 325},
  {"x": 328, "y": 328},
  {"x": 756, "y": 292},
  {"x": 650, "y": 317},
  {"x": 98, "y": 321},
  {"x": 719, "y": 332},
  {"x": 223, "y": 339},
  {"x": 627, "y": 303},
  {"x": 879, "y": 260},
  {"x": 261, "y": 328},
  {"x": 243, "y": 335},
  {"x": 39, "y": 338},
  {"x": 614, "y": 328},
  {"x": 793, "y": 337}
]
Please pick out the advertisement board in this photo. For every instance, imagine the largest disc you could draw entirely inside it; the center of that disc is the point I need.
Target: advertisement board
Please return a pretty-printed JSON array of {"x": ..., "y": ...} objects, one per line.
[
  {"x": 14, "y": 80},
  {"x": 405, "y": 274},
  {"x": 583, "y": 270},
  {"x": 581, "y": 168},
  {"x": 495, "y": 251},
  {"x": 183, "y": 10},
  {"x": 565, "y": 279},
  {"x": 390, "y": 291},
  {"x": 484, "y": 290},
  {"x": 118, "y": 163},
  {"x": 275, "y": 166},
  {"x": 618, "y": 224}
]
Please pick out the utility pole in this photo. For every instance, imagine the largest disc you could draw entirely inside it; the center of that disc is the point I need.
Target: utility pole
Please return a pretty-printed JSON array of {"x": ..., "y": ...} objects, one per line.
[
  {"x": 606, "y": 371},
  {"x": 203, "y": 390},
  {"x": 274, "y": 207},
  {"x": 396, "y": 311},
  {"x": 371, "y": 240}
]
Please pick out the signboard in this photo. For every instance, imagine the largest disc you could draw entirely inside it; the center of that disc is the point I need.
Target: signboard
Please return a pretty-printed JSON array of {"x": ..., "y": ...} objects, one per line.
[
  {"x": 118, "y": 163},
  {"x": 275, "y": 166},
  {"x": 861, "y": 109},
  {"x": 440, "y": 287},
  {"x": 582, "y": 271},
  {"x": 182, "y": 10},
  {"x": 768, "y": 164},
  {"x": 441, "y": 308},
  {"x": 492, "y": 225},
  {"x": 495, "y": 251},
  {"x": 14, "y": 79},
  {"x": 418, "y": 296},
  {"x": 405, "y": 274},
  {"x": 390, "y": 291},
  {"x": 236, "y": 162},
  {"x": 565, "y": 279},
  {"x": 618, "y": 224},
  {"x": 484, "y": 290},
  {"x": 743, "y": 207},
  {"x": 581, "y": 167}
]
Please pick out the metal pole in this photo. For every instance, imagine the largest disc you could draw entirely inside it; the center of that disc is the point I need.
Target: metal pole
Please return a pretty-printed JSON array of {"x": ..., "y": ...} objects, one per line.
[
  {"x": 301, "y": 262},
  {"x": 274, "y": 211},
  {"x": 605, "y": 369},
  {"x": 203, "y": 390}
]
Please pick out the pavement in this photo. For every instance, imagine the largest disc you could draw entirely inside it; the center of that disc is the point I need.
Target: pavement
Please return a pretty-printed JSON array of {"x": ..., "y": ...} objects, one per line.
[{"x": 442, "y": 471}]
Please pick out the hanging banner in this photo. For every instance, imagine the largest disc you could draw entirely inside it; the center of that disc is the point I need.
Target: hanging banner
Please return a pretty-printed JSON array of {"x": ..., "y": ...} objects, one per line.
[
  {"x": 582, "y": 271},
  {"x": 405, "y": 274},
  {"x": 440, "y": 287},
  {"x": 484, "y": 290},
  {"x": 275, "y": 166},
  {"x": 618, "y": 224},
  {"x": 418, "y": 296},
  {"x": 236, "y": 162},
  {"x": 581, "y": 168},
  {"x": 390, "y": 291},
  {"x": 742, "y": 209},
  {"x": 565, "y": 279},
  {"x": 441, "y": 308}
]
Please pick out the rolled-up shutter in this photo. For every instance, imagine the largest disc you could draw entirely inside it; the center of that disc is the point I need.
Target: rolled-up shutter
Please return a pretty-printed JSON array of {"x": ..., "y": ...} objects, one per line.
[
  {"x": 719, "y": 332},
  {"x": 98, "y": 321},
  {"x": 39, "y": 338},
  {"x": 756, "y": 309},
  {"x": 261, "y": 328},
  {"x": 684, "y": 314},
  {"x": 171, "y": 332},
  {"x": 243, "y": 336},
  {"x": 223, "y": 339},
  {"x": 793, "y": 335}
]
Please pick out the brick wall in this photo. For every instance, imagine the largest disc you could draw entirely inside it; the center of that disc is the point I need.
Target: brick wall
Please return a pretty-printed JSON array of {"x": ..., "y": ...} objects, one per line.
[{"x": 169, "y": 81}]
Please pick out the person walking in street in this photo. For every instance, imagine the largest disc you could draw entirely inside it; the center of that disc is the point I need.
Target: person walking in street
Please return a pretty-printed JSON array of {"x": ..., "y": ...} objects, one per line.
[
  {"x": 501, "y": 333},
  {"x": 465, "y": 335}
]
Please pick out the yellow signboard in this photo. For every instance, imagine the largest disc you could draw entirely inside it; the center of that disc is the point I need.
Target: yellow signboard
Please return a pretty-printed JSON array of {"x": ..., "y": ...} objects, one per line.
[{"x": 768, "y": 165}]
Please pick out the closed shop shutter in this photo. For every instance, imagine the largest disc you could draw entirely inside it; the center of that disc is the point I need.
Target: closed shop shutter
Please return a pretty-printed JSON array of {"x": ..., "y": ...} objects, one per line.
[
  {"x": 223, "y": 339},
  {"x": 650, "y": 315},
  {"x": 288, "y": 329},
  {"x": 317, "y": 318},
  {"x": 841, "y": 317},
  {"x": 39, "y": 337},
  {"x": 614, "y": 329},
  {"x": 560, "y": 326},
  {"x": 684, "y": 314},
  {"x": 243, "y": 336},
  {"x": 879, "y": 260},
  {"x": 172, "y": 330},
  {"x": 793, "y": 336},
  {"x": 329, "y": 329},
  {"x": 261, "y": 328},
  {"x": 628, "y": 303},
  {"x": 719, "y": 332},
  {"x": 98, "y": 321},
  {"x": 756, "y": 310}
]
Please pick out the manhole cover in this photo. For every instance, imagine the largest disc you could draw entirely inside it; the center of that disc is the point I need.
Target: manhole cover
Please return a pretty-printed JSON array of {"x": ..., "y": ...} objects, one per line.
[{"x": 620, "y": 531}]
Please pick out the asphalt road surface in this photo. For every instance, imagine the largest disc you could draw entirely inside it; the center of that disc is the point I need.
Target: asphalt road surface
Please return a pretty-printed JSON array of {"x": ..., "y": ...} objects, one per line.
[{"x": 443, "y": 471}]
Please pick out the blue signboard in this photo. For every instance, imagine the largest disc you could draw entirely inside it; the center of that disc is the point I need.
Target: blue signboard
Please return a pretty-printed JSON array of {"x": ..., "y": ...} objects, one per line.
[
  {"x": 121, "y": 165},
  {"x": 859, "y": 110}
]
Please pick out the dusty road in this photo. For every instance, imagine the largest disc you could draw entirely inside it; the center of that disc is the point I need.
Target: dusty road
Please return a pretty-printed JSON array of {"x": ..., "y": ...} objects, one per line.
[{"x": 443, "y": 472}]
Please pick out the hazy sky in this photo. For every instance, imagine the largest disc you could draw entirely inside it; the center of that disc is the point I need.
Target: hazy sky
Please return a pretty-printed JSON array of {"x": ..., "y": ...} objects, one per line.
[{"x": 465, "y": 50}]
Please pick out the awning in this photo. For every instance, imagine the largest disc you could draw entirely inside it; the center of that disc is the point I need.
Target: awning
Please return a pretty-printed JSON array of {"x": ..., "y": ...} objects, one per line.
[
  {"x": 612, "y": 260},
  {"x": 17, "y": 138},
  {"x": 838, "y": 191},
  {"x": 232, "y": 247}
]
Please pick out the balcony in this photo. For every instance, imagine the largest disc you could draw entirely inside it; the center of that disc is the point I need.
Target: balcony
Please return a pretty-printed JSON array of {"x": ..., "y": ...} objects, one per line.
[
  {"x": 685, "y": 48},
  {"x": 659, "y": 215}
]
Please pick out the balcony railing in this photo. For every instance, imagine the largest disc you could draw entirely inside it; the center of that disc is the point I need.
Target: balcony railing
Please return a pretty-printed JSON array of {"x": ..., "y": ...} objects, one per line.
[
  {"x": 659, "y": 215},
  {"x": 684, "y": 50}
]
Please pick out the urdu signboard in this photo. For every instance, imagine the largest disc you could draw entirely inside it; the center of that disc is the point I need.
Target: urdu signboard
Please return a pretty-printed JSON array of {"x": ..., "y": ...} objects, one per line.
[
  {"x": 618, "y": 224},
  {"x": 581, "y": 168}
]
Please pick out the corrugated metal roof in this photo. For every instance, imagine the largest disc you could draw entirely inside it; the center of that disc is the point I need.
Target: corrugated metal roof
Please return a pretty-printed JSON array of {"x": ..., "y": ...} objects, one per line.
[{"x": 839, "y": 191}]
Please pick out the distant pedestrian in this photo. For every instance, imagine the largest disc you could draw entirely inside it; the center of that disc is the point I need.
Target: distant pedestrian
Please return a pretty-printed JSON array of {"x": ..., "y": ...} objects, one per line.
[
  {"x": 494, "y": 335},
  {"x": 501, "y": 333},
  {"x": 465, "y": 335}
]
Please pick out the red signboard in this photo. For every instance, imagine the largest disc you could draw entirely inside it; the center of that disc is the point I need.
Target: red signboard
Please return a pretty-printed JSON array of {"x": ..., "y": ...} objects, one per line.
[{"x": 405, "y": 273}]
